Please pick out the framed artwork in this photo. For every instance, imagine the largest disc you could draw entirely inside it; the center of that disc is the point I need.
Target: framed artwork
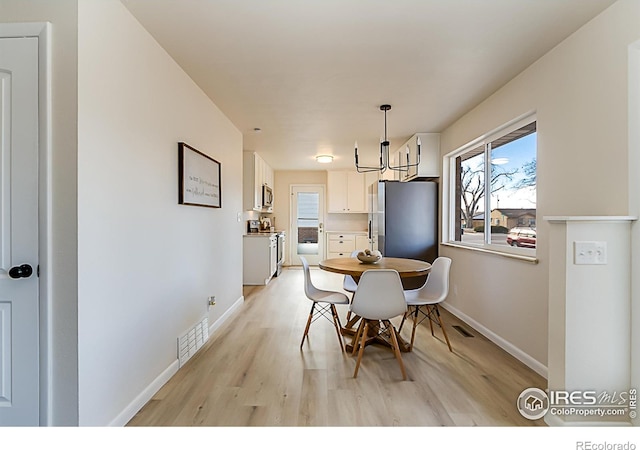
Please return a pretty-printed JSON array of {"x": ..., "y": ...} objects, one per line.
[{"x": 199, "y": 178}]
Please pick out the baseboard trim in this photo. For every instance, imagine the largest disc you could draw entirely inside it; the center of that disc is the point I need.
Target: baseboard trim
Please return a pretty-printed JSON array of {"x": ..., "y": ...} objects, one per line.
[
  {"x": 225, "y": 316},
  {"x": 507, "y": 346},
  {"x": 132, "y": 408},
  {"x": 147, "y": 394},
  {"x": 557, "y": 421}
]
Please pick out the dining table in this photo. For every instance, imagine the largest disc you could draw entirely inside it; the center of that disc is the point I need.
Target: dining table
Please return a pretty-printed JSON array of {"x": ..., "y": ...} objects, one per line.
[{"x": 406, "y": 268}]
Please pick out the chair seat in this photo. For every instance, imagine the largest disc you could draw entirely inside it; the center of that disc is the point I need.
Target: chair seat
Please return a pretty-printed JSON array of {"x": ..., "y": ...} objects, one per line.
[
  {"x": 414, "y": 298},
  {"x": 336, "y": 298}
]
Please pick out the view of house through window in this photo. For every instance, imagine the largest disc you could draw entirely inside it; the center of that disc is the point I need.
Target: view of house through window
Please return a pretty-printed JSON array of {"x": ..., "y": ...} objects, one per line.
[{"x": 495, "y": 190}]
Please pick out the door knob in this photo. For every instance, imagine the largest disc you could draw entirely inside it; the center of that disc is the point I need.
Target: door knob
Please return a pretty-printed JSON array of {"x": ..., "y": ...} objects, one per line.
[{"x": 23, "y": 271}]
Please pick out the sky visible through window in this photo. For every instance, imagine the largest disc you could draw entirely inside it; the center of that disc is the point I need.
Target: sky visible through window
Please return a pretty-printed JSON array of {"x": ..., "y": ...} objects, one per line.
[{"x": 513, "y": 158}]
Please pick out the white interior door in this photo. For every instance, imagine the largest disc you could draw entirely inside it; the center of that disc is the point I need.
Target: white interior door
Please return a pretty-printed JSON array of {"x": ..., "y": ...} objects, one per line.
[
  {"x": 307, "y": 224},
  {"x": 19, "y": 367}
]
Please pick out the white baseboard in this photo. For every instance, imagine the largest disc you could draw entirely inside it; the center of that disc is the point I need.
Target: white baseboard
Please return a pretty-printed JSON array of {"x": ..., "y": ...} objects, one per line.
[
  {"x": 557, "y": 421},
  {"x": 224, "y": 317},
  {"x": 132, "y": 408},
  {"x": 507, "y": 346}
]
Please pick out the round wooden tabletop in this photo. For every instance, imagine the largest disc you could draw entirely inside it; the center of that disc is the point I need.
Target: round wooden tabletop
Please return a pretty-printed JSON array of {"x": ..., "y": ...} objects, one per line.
[{"x": 352, "y": 266}]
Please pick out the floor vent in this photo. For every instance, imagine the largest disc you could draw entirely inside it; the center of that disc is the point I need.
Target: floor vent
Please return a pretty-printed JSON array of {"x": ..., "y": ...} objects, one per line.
[
  {"x": 462, "y": 331},
  {"x": 190, "y": 342}
]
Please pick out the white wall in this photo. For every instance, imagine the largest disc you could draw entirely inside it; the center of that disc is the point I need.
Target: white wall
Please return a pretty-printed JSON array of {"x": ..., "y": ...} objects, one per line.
[
  {"x": 60, "y": 367},
  {"x": 146, "y": 264},
  {"x": 579, "y": 91}
]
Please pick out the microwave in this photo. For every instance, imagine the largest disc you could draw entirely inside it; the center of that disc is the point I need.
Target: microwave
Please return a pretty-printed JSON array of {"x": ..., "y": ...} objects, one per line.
[{"x": 267, "y": 196}]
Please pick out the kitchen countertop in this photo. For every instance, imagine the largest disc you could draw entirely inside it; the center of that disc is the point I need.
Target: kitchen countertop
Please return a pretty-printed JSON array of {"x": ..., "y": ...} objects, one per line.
[
  {"x": 346, "y": 232},
  {"x": 264, "y": 233}
]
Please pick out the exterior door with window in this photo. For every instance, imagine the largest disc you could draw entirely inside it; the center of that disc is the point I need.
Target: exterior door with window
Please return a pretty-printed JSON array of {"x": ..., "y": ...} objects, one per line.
[
  {"x": 19, "y": 308},
  {"x": 307, "y": 224}
]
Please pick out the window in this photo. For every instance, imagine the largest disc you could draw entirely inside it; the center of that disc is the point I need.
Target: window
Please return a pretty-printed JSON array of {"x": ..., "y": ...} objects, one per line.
[{"x": 493, "y": 189}]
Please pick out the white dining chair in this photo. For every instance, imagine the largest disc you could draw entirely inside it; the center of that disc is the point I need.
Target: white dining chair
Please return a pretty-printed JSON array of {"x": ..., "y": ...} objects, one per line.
[
  {"x": 423, "y": 303},
  {"x": 378, "y": 298},
  {"x": 324, "y": 304},
  {"x": 349, "y": 284}
]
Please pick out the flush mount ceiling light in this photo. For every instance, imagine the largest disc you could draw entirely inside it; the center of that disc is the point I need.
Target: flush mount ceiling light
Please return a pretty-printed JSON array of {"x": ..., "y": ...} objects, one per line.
[
  {"x": 385, "y": 162},
  {"x": 324, "y": 159}
]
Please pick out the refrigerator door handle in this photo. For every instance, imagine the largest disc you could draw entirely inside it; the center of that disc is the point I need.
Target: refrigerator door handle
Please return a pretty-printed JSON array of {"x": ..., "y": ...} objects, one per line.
[{"x": 369, "y": 231}]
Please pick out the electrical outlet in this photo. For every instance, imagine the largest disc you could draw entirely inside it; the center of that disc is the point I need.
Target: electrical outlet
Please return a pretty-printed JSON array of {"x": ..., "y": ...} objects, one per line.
[{"x": 211, "y": 301}]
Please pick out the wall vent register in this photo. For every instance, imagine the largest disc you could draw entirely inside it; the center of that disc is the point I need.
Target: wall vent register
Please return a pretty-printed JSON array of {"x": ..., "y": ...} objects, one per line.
[{"x": 191, "y": 341}]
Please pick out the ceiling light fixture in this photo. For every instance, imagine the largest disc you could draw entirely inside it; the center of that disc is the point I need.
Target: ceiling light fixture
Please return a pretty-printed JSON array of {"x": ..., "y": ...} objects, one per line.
[
  {"x": 385, "y": 162},
  {"x": 324, "y": 159}
]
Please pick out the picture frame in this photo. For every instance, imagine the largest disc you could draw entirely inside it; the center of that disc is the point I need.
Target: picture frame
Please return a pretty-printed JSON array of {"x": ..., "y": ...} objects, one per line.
[{"x": 199, "y": 178}]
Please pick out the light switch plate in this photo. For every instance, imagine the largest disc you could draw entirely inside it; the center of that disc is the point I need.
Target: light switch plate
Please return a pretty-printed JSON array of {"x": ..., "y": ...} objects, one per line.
[{"x": 589, "y": 252}]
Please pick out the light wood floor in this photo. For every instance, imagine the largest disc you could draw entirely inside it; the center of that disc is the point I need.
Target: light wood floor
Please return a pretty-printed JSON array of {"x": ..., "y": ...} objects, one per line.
[{"x": 253, "y": 373}]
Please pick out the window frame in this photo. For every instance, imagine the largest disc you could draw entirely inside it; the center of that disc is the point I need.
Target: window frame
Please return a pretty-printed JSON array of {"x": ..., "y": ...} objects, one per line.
[{"x": 451, "y": 203}]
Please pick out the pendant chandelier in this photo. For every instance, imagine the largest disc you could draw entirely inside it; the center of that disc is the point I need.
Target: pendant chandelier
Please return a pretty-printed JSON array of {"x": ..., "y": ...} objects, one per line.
[{"x": 385, "y": 161}]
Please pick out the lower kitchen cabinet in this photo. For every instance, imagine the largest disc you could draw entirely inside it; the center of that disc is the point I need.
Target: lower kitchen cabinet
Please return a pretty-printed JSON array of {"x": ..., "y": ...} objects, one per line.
[
  {"x": 260, "y": 259},
  {"x": 340, "y": 245}
]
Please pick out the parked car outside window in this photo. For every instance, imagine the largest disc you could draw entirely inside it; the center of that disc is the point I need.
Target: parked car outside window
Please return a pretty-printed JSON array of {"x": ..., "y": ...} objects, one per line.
[{"x": 522, "y": 237}]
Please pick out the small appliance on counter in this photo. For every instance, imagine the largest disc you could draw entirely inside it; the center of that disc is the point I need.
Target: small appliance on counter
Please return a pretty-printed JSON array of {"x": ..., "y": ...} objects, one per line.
[
  {"x": 265, "y": 224},
  {"x": 253, "y": 226}
]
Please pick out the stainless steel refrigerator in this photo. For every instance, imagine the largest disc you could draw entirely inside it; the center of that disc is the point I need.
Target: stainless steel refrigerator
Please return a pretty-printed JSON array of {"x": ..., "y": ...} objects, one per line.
[{"x": 403, "y": 221}]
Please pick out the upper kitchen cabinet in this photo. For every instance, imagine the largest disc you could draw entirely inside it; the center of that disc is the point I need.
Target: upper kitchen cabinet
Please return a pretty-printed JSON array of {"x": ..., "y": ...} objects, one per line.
[
  {"x": 346, "y": 192},
  {"x": 429, "y": 166},
  {"x": 257, "y": 173}
]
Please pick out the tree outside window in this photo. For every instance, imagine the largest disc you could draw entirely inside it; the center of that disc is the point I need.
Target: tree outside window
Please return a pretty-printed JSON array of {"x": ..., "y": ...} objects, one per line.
[{"x": 498, "y": 176}]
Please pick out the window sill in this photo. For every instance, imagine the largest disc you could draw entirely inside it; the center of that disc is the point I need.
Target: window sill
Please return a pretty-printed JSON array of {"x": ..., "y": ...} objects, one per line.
[{"x": 491, "y": 251}]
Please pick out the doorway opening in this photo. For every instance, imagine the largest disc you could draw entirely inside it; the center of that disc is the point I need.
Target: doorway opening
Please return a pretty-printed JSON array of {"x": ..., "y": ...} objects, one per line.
[{"x": 307, "y": 223}]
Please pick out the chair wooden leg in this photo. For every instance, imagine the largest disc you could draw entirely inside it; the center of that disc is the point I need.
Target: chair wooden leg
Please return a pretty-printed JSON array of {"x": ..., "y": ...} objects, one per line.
[
  {"x": 306, "y": 330},
  {"x": 356, "y": 338},
  {"x": 446, "y": 338},
  {"x": 337, "y": 325},
  {"x": 396, "y": 348},
  {"x": 361, "y": 352}
]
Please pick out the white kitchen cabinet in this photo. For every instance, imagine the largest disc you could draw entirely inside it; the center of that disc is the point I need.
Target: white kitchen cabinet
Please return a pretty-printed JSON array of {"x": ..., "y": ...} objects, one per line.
[
  {"x": 268, "y": 175},
  {"x": 362, "y": 242},
  {"x": 256, "y": 173},
  {"x": 260, "y": 258},
  {"x": 346, "y": 192},
  {"x": 429, "y": 166},
  {"x": 341, "y": 245}
]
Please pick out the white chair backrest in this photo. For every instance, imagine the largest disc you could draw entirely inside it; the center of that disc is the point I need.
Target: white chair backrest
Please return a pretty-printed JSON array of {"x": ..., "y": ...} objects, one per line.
[
  {"x": 349, "y": 283},
  {"x": 437, "y": 285},
  {"x": 309, "y": 289},
  {"x": 379, "y": 295}
]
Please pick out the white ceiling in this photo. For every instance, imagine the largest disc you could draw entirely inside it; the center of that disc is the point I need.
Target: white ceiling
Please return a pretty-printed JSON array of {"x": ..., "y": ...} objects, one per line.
[{"x": 312, "y": 73}]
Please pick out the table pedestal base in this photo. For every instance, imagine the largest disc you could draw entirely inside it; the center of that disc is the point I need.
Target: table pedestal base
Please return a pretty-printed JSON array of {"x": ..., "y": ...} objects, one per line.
[{"x": 375, "y": 326}]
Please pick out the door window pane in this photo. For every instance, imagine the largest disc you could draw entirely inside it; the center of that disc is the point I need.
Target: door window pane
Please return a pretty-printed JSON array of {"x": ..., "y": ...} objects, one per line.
[{"x": 308, "y": 221}]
